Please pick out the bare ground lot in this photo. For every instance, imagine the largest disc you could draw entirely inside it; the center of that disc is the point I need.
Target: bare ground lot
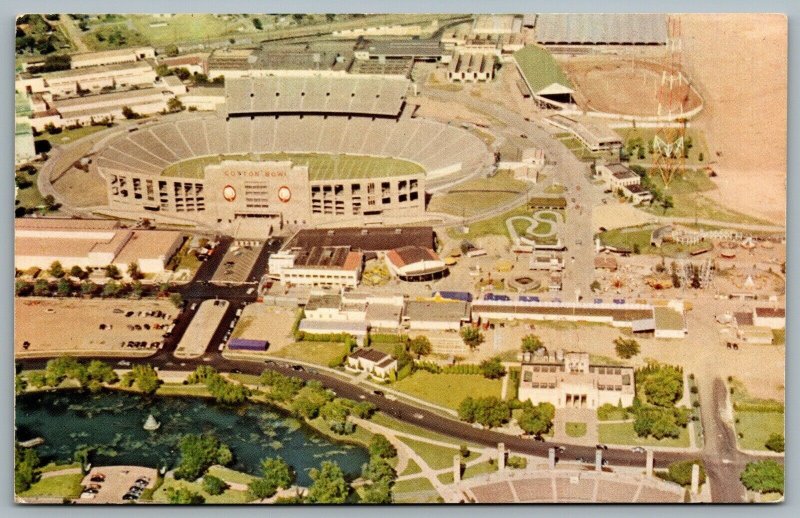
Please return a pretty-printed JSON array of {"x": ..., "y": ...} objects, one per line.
[
  {"x": 738, "y": 62},
  {"x": 614, "y": 84},
  {"x": 72, "y": 326},
  {"x": 81, "y": 188},
  {"x": 270, "y": 323}
]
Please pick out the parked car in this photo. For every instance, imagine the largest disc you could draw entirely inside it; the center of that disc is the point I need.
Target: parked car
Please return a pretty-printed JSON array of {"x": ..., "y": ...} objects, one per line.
[
  {"x": 379, "y": 393},
  {"x": 601, "y": 447},
  {"x": 638, "y": 449},
  {"x": 298, "y": 368}
]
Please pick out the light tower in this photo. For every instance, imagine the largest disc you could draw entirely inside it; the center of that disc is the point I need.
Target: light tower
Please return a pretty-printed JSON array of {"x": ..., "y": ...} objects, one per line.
[{"x": 672, "y": 95}]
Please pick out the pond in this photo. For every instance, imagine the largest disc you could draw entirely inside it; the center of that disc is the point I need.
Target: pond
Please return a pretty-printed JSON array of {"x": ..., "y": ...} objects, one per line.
[{"x": 112, "y": 423}]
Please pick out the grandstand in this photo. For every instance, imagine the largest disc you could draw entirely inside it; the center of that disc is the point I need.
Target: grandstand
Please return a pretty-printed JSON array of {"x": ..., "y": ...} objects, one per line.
[
  {"x": 601, "y": 29},
  {"x": 352, "y": 95}
]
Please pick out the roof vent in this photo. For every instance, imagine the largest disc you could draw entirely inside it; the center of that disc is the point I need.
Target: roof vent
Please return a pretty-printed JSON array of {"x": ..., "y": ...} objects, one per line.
[
  {"x": 398, "y": 231},
  {"x": 330, "y": 232}
]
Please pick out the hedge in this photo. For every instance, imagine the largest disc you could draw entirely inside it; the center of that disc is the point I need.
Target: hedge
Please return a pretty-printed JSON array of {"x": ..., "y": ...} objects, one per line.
[
  {"x": 466, "y": 368},
  {"x": 387, "y": 338},
  {"x": 302, "y": 336},
  {"x": 763, "y": 406}
]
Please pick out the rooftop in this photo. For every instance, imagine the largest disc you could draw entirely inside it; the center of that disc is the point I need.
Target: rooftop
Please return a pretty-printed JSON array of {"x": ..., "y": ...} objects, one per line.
[
  {"x": 770, "y": 312},
  {"x": 447, "y": 311},
  {"x": 327, "y": 257},
  {"x": 668, "y": 319},
  {"x": 370, "y": 354},
  {"x": 362, "y": 239},
  {"x": 410, "y": 254},
  {"x": 540, "y": 69},
  {"x": 323, "y": 302}
]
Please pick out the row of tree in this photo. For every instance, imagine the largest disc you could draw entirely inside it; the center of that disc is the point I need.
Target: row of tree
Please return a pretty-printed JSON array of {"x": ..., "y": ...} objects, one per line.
[{"x": 92, "y": 375}]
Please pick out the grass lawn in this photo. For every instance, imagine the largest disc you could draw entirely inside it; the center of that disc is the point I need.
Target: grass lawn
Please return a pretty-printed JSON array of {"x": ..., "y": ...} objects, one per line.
[
  {"x": 59, "y": 486},
  {"x": 475, "y": 196},
  {"x": 625, "y": 239},
  {"x": 68, "y": 136},
  {"x": 622, "y": 433},
  {"x": 779, "y": 336},
  {"x": 556, "y": 188},
  {"x": 58, "y": 467},
  {"x": 446, "y": 478},
  {"x": 437, "y": 457},
  {"x": 177, "y": 389},
  {"x": 487, "y": 227},
  {"x": 617, "y": 414},
  {"x": 230, "y": 496},
  {"x": 646, "y": 135},
  {"x": 448, "y": 390},
  {"x": 479, "y": 469},
  {"x": 30, "y": 196},
  {"x": 229, "y": 475},
  {"x": 247, "y": 379},
  {"x": 321, "y": 166},
  {"x": 412, "y": 468},
  {"x": 413, "y": 487},
  {"x": 756, "y": 427},
  {"x": 576, "y": 429},
  {"x": 320, "y": 353},
  {"x": 411, "y": 429}
]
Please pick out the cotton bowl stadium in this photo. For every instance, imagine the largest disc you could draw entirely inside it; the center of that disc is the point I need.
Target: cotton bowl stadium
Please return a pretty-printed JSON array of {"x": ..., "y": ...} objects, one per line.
[{"x": 288, "y": 151}]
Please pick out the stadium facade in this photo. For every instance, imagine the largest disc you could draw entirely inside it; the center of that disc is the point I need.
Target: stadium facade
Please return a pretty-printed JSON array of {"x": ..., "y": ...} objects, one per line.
[{"x": 291, "y": 152}]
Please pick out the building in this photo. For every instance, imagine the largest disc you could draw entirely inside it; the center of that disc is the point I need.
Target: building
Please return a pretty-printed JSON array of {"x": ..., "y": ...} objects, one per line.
[
  {"x": 372, "y": 239},
  {"x": 471, "y": 67},
  {"x": 70, "y": 83},
  {"x": 618, "y": 314},
  {"x": 278, "y": 62},
  {"x": 193, "y": 63},
  {"x": 599, "y": 28},
  {"x": 378, "y": 364},
  {"x": 203, "y": 98},
  {"x": 24, "y": 148},
  {"x": 605, "y": 262},
  {"x": 773, "y": 318},
  {"x": 92, "y": 243},
  {"x": 374, "y": 311},
  {"x": 622, "y": 180},
  {"x": 594, "y": 136},
  {"x": 111, "y": 57},
  {"x": 546, "y": 262},
  {"x": 569, "y": 380},
  {"x": 432, "y": 315},
  {"x": 543, "y": 77},
  {"x": 416, "y": 49},
  {"x": 669, "y": 322},
  {"x": 318, "y": 266},
  {"x": 415, "y": 264},
  {"x": 244, "y": 344}
]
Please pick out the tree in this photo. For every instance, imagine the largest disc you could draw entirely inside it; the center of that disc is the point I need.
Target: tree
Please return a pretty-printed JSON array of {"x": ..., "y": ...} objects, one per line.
[
  {"x": 101, "y": 371},
  {"x": 764, "y": 476},
  {"x": 329, "y": 486},
  {"x": 626, "y": 348},
  {"x": 492, "y": 368},
  {"x": 77, "y": 272},
  {"x": 595, "y": 286},
  {"x": 171, "y": 50},
  {"x": 174, "y": 104},
  {"x": 41, "y": 288},
  {"x": 278, "y": 473},
  {"x": 487, "y": 411},
  {"x": 257, "y": 24},
  {"x": 144, "y": 376},
  {"x": 420, "y": 346},
  {"x": 378, "y": 470},
  {"x": 667, "y": 203},
  {"x": 536, "y": 420},
  {"x": 22, "y": 288},
  {"x": 128, "y": 113},
  {"x": 198, "y": 453},
  {"x": 26, "y": 462},
  {"x": 133, "y": 271},
  {"x": 112, "y": 272},
  {"x": 776, "y": 442},
  {"x": 310, "y": 400},
  {"x": 472, "y": 336},
  {"x": 681, "y": 472},
  {"x": 379, "y": 446},
  {"x": 88, "y": 288},
  {"x": 214, "y": 485},
  {"x": 176, "y": 299},
  {"x": 137, "y": 289},
  {"x": 56, "y": 270},
  {"x": 531, "y": 344},
  {"x": 184, "y": 496},
  {"x": 63, "y": 287},
  {"x": 377, "y": 493},
  {"x": 111, "y": 289},
  {"x": 664, "y": 386}
]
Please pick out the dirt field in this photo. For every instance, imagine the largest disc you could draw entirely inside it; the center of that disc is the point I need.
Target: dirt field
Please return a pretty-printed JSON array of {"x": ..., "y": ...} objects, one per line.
[
  {"x": 81, "y": 188},
  {"x": 262, "y": 322},
  {"x": 619, "y": 85},
  {"x": 71, "y": 326},
  {"x": 738, "y": 62}
]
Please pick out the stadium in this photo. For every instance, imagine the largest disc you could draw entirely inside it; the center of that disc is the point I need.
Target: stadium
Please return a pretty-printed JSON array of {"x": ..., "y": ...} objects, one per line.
[{"x": 288, "y": 151}]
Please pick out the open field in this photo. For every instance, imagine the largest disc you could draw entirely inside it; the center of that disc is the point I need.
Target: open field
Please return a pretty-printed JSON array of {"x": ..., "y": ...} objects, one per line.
[
  {"x": 631, "y": 237},
  {"x": 622, "y": 433},
  {"x": 81, "y": 188},
  {"x": 79, "y": 321},
  {"x": 756, "y": 427},
  {"x": 320, "y": 353},
  {"x": 30, "y": 196},
  {"x": 230, "y": 496},
  {"x": 475, "y": 196},
  {"x": 321, "y": 167},
  {"x": 644, "y": 137},
  {"x": 488, "y": 227},
  {"x": 614, "y": 84},
  {"x": 58, "y": 486},
  {"x": 743, "y": 121},
  {"x": 69, "y": 136},
  {"x": 448, "y": 390},
  {"x": 576, "y": 429}
]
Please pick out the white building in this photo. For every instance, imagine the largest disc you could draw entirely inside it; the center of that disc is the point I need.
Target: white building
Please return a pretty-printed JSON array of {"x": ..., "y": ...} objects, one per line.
[
  {"x": 319, "y": 266},
  {"x": 415, "y": 263},
  {"x": 112, "y": 57},
  {"x": 380, "y": 365},
  {"x": 568, "y": 380},
  {"x": 621, "y": 179},
  {"x": 69, "y": 83},
  {"x": 432, "y": 315},
  {"x": 669, "y": 322},
  {"x": 773, "y": 318}
]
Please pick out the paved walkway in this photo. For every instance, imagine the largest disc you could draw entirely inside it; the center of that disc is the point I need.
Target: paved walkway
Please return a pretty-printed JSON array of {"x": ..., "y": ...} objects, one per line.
[{"x": 575, "y": 415}]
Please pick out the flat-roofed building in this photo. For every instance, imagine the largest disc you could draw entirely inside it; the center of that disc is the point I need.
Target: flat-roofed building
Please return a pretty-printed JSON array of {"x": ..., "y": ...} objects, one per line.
[
  {"x": 617, "y": 314},
  {"x": 279, "y": 61},
  {"x": 318, "y": 266},
  {"x": 594, "y": 136},
  {"x": 670, "y": 323},
  {"x": 432, "y": 315},
  {"x": 203, "y": 98},
  {"x": 415, "y": 264},
  {"x": 599, "y": 28},
  {"x": 38, "y": 242},
  {"x": 193, "y": 63},
  {"x": 377, "y": 239},
  {"x": 569, "y": 380},
  {"x": 69, "y": 83},
  {"x": 419, "y": 50},
  {"x": 111, "y": 57},
  {"x": 773, "y": 318}
]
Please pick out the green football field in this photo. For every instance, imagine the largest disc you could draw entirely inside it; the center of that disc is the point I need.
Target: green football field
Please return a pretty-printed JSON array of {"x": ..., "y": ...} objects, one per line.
[{"x": 321, "y": 166}]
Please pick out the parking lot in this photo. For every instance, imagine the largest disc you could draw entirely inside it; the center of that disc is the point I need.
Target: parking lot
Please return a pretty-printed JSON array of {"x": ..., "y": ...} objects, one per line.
[
  {"x": 82, "y": 327},
  {"x": 236, "y": 264},
  {"x": 116, "y": 484}
]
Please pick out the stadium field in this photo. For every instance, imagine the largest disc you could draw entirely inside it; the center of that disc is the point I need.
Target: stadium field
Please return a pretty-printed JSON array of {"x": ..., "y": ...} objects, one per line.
[{"x": 321, "y": 166}]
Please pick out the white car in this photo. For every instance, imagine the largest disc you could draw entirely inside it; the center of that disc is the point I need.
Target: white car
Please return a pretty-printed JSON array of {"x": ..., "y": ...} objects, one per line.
[
  {"x": 390, "y": 397},
  {"x": 250, "y": 291}
]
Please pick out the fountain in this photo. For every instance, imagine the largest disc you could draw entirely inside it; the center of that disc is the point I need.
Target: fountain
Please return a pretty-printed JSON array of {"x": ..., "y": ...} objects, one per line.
[{"x": 151, "y": 424}]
